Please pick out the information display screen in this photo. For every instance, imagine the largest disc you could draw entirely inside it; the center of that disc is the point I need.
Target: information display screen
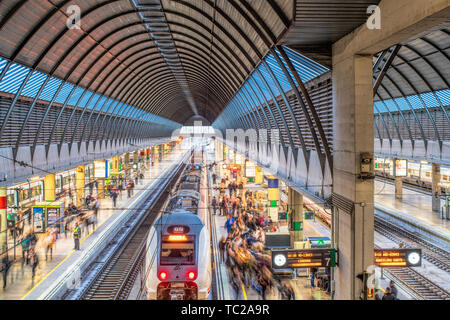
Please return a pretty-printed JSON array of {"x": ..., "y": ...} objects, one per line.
[
  {"x": 401, "y": 168},
  {"x": 101, "y": 169},
  {"x": 398, "y": 257},
  {"x": 52, "y": 216},
  {"x": 303, "y": 258},
  {"x": 38, "y": 219}
]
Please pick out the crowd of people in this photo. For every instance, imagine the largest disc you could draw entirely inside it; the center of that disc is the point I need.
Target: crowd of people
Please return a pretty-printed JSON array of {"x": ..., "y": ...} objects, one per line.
[
  {"x": 242, "y": 250},
  {"x": 76, "y": 222}
]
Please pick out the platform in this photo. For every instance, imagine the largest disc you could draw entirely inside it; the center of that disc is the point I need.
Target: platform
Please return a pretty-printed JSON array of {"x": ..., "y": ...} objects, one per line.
[
  {"x": 415, "y": 207},
  {"x": 20, "y": 283}
]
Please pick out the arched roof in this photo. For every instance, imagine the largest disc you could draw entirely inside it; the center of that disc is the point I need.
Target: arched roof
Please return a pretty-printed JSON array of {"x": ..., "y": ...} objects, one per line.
[{"x": 173, "y": 58}]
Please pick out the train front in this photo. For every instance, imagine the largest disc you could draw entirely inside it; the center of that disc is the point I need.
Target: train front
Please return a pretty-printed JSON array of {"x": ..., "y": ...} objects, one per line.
[{"x": 180, "y": 259}]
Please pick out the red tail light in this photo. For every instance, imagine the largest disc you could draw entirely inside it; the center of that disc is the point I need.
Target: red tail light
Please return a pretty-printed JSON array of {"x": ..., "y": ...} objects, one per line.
[
  {"x": 163, "y": 275},
  {"x": 191, "y": 275}
]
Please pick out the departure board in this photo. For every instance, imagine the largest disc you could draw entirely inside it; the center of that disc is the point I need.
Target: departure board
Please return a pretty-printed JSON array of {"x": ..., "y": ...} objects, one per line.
[
  {"x": 398, "y": 257},
  {"x": 303, "y": 258}
]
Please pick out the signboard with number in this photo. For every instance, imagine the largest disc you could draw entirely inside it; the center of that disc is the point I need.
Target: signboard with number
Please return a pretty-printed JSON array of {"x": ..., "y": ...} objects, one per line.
[
  {"x": 398, "y": 257},
  {"x": 303, "y": 258}
]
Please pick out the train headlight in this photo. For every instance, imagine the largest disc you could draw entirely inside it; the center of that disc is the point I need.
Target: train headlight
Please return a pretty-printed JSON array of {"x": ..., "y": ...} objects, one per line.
[
  {"x": 191, "y": 275},
  {"x": 163, "y": 275},
  {"x": 413, "y": 258},
  {"x": 279, "y": 260}
]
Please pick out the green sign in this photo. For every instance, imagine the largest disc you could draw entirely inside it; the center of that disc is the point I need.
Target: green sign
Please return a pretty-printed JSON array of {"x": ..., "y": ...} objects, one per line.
[
  {"x": 251, "y": 179},
  {"x": 273, "y": 203},
  {"x": 298, "y": 226}
]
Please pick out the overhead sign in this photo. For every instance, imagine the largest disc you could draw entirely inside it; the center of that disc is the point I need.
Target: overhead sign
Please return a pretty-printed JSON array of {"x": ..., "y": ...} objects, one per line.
[
  {"x": 303, "y": 258},
  {"x": 101, "y": 169},
  {"x": 398, "y": 257},
  {"x": 401, "y": 169}
]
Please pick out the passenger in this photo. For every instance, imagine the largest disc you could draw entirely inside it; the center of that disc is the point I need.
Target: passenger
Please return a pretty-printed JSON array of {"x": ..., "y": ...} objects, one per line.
[
  {"x": 25, "y": 244},
  {"x": 141, "y": 176},
  {"x": 287, "y": 292},
  {"x": 214, "y": 204},
  {"x": 49, "y": 239},
  {"x": 115, "y": 194},
  {"x": 222, "y": 245},
  {"x": 77, "y": 236},
  {"x": 129, "y": 189},
  {"x": 230, "y": 189},
  {"x": 34, "y": 261},
  {"x": 388, "y": 294},
  {"x": 96, "y": 207},
  {"x": 393, "y": 289},
  {"x": 214, "y": 177},
  {"x": 313, "y": 275},
  {"x": 5, "y": 267}
]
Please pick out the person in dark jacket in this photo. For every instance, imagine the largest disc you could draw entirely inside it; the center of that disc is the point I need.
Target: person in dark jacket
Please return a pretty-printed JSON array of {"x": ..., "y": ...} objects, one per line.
[
  {"x": 394, "y": 290},
  {"x": 388, "y": 294},
  {"x": 5, "y": 267}
]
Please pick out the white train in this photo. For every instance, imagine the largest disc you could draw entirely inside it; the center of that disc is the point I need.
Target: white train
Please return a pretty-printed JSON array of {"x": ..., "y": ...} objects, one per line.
[
  {"x": 178, "y": 260},
  {"x": 418, "y": 173}
]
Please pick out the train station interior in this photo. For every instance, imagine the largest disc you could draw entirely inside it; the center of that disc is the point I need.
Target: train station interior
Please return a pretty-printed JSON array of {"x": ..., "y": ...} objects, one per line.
[{"x": 224, "y": 150}]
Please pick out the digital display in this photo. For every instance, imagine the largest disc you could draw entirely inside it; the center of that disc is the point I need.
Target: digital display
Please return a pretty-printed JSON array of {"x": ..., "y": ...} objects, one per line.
[
  {"x": 178, "y": 229},
  {"x": 304, "y": 258},
  {"x": 398, "y": 257}
]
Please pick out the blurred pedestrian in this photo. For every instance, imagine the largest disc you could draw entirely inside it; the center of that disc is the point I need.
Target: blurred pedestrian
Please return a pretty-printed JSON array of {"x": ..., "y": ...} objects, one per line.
[
  {"x": 77, "y": 236},
  {"x": 5, "y": 267}
]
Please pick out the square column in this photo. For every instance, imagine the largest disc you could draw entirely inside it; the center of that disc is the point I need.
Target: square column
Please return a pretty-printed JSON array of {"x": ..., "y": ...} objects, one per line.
[
  {"x": 353, "y": 189},
  {"x": 435, "y": 179},
  {"x": 79, "y": 185},
  {"x": 398, "y": 187},
  {"x": 3, "y": 219},
  {"x": 49, "y": 187},
  {"x": 295, "y": 203}
]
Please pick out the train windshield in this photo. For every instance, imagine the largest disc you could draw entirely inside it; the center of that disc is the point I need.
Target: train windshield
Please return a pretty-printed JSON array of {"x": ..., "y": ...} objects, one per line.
[{"x": 177, "y": 253}]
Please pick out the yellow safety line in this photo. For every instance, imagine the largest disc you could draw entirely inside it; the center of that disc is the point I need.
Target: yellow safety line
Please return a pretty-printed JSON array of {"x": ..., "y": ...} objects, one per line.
[
  {"x": 243, "y": 292},
  {"x": 72, "y": 251}
]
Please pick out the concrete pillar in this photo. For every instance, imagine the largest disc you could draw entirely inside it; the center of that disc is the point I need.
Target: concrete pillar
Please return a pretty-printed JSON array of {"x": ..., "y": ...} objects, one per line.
[
  {"x": 435, "y": 178},
  {"x": 3, "y": 219},
  {"x": 79, "y": 185},
  {"x": 115, "y": 164},
  {"x": 295, "y": 202},
  {"x": 49, "y": 187},
  {"x": 398, "y": 187},
  {"x": 353, "y": 139},
  {"x": 148, "y": 160},
  {"x": 259, "y": 175},
  {"x": 101, "y": 188},
  {"x": 126, "y": 164}
]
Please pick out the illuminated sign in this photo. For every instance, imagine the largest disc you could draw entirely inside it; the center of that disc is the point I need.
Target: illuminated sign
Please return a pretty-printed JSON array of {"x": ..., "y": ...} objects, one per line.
[
  {"x": 303, "y": 258},
  {"x": 401, "y": 168},
  {"x": 101, "y": 169},
  {"x": 178, "y": 229},
  {"x": 398, "y": 257}
]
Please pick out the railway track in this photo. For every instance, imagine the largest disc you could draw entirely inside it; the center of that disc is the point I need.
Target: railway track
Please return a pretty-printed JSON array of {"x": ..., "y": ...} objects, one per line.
[
  {"x": 420, "y": 286},
  {"x": 117, "y": 277},
  {"x": 430, "y": 252}
]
